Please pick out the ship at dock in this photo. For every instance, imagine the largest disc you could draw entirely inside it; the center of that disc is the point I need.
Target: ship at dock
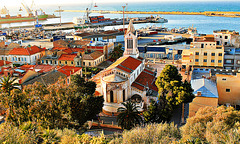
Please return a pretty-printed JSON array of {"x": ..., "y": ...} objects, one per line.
[{"x": 32, "y": 15}]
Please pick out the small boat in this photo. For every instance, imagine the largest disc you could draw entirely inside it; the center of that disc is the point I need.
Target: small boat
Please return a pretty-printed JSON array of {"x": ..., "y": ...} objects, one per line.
[{"x": 95, "y": 5}]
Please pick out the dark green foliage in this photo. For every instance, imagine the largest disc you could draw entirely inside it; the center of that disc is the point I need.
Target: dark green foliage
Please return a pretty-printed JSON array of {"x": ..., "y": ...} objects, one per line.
[
  {"x": 129, "y": 116},
  {"x": 87, "y": 88},
  {"x": 56, "y": 106},
  {"x": 117, "y": 52},
  {"x": 172, "y": 92}
]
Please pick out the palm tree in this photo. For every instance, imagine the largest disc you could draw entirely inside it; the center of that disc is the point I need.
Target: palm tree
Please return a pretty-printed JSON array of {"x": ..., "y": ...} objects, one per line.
[
  {"x": 7, "y": 84},
  {"x": 129, "y": 116}
]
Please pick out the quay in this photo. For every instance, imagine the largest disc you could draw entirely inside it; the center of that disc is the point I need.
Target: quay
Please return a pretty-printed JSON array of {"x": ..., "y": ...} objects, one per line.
[
  {"x": 71, "y": 25},
  {"x": 206, "y": 13}
]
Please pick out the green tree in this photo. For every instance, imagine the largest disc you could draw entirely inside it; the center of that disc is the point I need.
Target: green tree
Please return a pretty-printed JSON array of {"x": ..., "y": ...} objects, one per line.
[
  {"x": 56, "y": 106},
  {"x": 172, "y": 92},
  {"x": 7, "y": 84},
  {"x": 129, "y": 116},
  {"x": 117, "y": 52}
]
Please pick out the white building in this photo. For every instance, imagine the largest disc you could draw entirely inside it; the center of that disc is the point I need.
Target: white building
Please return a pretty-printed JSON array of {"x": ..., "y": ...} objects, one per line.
[
  {"x": 126, "y": 79},
  {"x": 28, "y": 55}
]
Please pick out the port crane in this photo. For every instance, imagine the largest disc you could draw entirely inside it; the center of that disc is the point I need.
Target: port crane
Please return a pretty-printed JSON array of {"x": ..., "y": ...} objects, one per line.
[
  {"x": 88, "y": 11},
  {"x": 29, "y": 11}
]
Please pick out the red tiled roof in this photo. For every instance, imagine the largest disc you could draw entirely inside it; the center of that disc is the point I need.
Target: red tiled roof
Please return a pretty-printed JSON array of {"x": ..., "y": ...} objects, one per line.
[
  {"x": 92, "y": 56},
  {"x": 151, "y": 72},
  {"x": 67, "y": 57},
  {"x": 71, "y": 50},
  {"x": 6, "y": 62},
  {"x": 68, "y": 70},
  {"x": 44, "y": 68},
  {"x": 145, "y": 79},
  {"x": 25, "y": 51},
  {"x": 59, "y": 48},
  {"x": 124, "y": 69},
  {"x": 138, "y": 86},
  {"x": 131, "y": 63},
  {"x": 26, "y": 67}
]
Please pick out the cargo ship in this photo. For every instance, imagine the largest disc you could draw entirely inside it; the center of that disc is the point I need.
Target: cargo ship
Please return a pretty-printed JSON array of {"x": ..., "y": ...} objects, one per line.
[
  {"x": 7, "y": 18},
  {"x": 19, "y": 18}
]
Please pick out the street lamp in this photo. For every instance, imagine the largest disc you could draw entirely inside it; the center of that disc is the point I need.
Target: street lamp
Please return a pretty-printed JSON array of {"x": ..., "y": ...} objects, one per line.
[
  {"x": 123, "y": 18},
  {"x": 60, "y": 15}
]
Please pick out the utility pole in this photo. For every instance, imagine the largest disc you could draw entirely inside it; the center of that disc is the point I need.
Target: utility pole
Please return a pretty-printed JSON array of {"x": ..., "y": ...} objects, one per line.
[
  {"x": 123, "y": 19},
  {"x": 60, "y": 15},
  {"x": 126, "y": 10}
]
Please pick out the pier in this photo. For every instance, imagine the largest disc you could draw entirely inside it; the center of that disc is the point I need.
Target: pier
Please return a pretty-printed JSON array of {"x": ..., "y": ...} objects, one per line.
[{"x": 205, "y": 13}]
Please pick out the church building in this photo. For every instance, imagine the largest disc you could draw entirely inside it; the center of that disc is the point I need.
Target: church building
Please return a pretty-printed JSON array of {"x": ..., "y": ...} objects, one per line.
[{"x": 127, "y": 78}]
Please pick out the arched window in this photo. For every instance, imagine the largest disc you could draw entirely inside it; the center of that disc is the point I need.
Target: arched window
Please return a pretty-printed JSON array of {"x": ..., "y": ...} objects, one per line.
[
  {"x": 111, "y": 96},
  {"x": 123, "y": 95}
]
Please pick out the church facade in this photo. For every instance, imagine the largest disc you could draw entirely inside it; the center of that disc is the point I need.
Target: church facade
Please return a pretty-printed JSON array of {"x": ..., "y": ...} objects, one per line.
[{"x": 126, "y": 79}]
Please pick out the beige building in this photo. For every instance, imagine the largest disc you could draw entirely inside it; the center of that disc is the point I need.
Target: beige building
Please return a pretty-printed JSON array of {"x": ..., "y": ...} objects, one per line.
[
  {"x": 228, "y": 89},
  {"x": 204, "y": 52},
  {"x": 93, "y": 59},
  {"x": 224, "y": 37}
]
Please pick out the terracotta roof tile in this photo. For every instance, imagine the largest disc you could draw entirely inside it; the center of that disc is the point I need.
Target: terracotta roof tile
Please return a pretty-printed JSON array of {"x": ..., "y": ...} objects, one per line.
[
  {"x": 68, "y": 70},
  {"x": 67, "y": 57},
  {"x": 146, "y": 79},
  {"x": 25, "y": 51},
  {"x": 6, "y": 62},
  {"x": 127, "y": 64}
]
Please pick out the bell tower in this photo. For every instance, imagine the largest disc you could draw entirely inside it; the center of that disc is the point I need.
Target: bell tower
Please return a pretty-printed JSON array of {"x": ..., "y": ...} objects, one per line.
[{"x": 131, "y": 42}]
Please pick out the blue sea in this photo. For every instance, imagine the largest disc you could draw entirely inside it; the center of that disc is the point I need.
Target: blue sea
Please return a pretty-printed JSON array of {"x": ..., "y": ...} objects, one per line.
[{"x": 203, "y": 24}]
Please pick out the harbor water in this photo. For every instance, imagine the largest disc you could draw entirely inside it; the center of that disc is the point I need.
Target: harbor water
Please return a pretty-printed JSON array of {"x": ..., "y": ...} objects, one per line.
[{"x": 204, "y": 24}]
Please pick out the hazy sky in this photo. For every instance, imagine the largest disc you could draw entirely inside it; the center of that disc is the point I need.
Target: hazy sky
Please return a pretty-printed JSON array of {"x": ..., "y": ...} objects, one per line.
[
  {"x": 9, "y": 3},
  {"x": 16, "y": 2}
]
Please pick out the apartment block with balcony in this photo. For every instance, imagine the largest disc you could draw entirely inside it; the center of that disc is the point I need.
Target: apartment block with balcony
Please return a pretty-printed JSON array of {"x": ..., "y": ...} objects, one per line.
[{"x": 204, "y": 52}]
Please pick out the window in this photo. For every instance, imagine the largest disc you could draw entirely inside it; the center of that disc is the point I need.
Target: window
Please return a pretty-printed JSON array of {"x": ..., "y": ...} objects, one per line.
[
  {"x": 46, "y": 61},
  {"x": 42, "y": 61},
  {"x": 123, "y": 95},
  {"x": 202, "y": 45},
  {"x": 71, "y": 62},
  {"x": 2, "y": 58},
  {"x": 228, "y": 61},
  {"x": 224, "y": 79},
  {"x": 205, "y": 60},
  {"x": 197, "y": 53},
  {"x": 129, "y": 43},
  {"x": 50, "y": 62},
  {"x": 226, "y": 37},
  {"x": 60, "y": 62},
  {"x": 65, "y": 62},
  {"x": 25, "y": 59},
  {"x": 111, "y": 96},
  {"x": 218, "y": 42},
  {"x": 220, "y": 54},
  {"x": 19, "y": 59},
  {"x": 227, "y": 90},
  {"x": 13, "y": 59},
  {"x": 5, "y": 58},
  {"x": 219, "y": 61},
  {"x": 205, "y": 53},
  {"x": 220, "y": 36},
  {"x": 212, "y": 61},
  {"x": 84, "y": 63},
  {"x": 225, "y": 43},
  {"x": 213, "y": 54},
  {"x": 89, "y": 63},
  {"x": 55, "y": 62},
  {"x": 78, "y": 63},
  {"x": 196, "y": 60}
]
